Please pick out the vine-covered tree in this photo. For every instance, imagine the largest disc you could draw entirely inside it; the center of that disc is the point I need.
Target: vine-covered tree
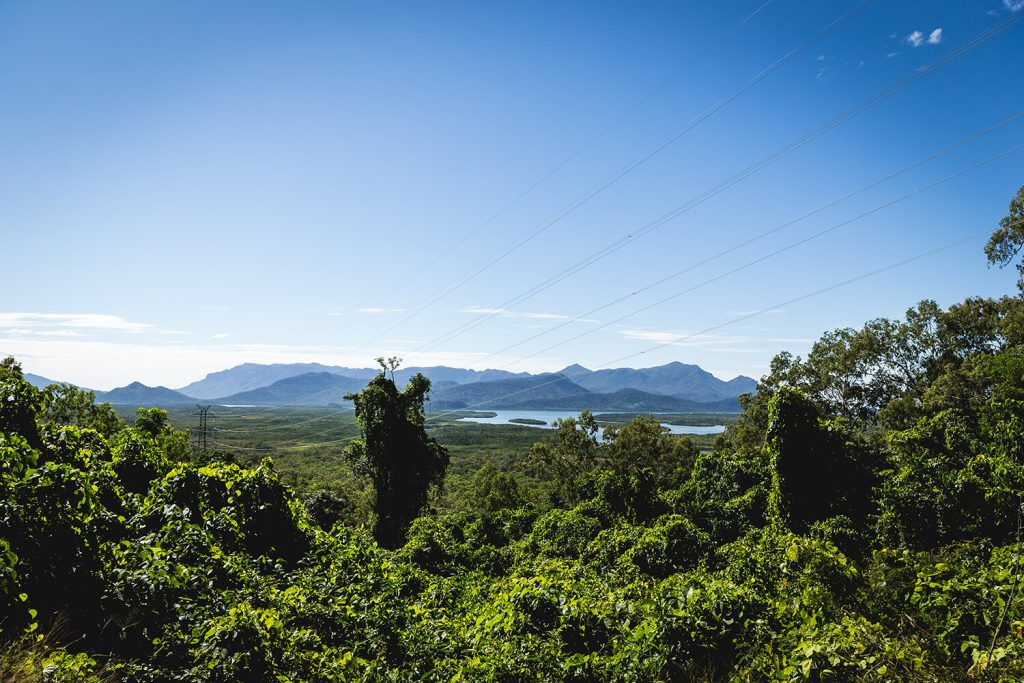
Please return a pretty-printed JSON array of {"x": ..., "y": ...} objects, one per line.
[
  {"x": 817, "y": 473},
  {"x": 394, "y": 450},
  {"x": 1007, "y": 241}
]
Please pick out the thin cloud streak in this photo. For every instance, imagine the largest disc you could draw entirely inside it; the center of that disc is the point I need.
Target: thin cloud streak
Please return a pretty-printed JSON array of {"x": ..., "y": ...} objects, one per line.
[
  {"x": 721, "y": 343},
  {"x": 480, "y": 310},
  {"x": 97, "y": 321},
  {"x": 678, "y": 338}
]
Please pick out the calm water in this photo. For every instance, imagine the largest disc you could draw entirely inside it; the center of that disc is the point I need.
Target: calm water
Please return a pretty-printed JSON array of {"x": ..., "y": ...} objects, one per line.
[{"x": 549, "y": 416}]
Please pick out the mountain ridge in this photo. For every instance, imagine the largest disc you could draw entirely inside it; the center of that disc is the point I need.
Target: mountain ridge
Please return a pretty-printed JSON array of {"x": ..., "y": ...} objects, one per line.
[
  {"x": 250, "y": 376},
  {"x": 679, "y": 380},
  {"x": 139, "y": 394},
  {"x": 673, "y": 387},
  {"x": 317, "y": 388},
  {"x": 38, "y": 381}
]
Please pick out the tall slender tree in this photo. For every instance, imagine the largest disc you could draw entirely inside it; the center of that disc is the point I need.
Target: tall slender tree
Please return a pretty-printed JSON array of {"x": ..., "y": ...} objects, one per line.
[{"x": 394, "y": 450}]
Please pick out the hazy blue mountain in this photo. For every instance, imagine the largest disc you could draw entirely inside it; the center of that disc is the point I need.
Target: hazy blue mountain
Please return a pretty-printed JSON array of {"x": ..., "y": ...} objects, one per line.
[
  {"x": 623, "y": 400},
  {"x": 257, "y": 384},
  {"x": 742, "y": 385},
  {"x": 513, "y": 392},
  {"x": 249, "y": 376},
  {"x": 443, "y": 373},
  {"x": 634, "y": 400},
  {"x": 138, "y": 394},
  {"x": 256, "y": 375},
  {"x": 311, "y": 388},
  {"x": 38, "y": 381},
  {"x": 689, "y": 382},
  {"x": 576, "y": 372}
]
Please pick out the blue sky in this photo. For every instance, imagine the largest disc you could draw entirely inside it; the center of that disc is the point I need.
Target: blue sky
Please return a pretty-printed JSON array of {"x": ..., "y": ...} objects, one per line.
[{"x": 187, "y": 186}]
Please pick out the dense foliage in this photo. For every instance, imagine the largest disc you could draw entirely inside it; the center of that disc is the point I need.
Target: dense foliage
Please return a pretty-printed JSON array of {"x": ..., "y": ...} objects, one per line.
[
  {"x": 394, "y": 451},
  {"x": 823, "y": 552},
  {"x": 861, "y": 522}
]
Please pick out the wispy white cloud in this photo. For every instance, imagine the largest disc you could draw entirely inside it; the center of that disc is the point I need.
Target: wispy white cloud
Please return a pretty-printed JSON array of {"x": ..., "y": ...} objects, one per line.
[
  {"x": 24, "y": 332},
  {"x": 374, "y": 309},
  {"x": 97, "y": 321},
  {"x": 917, "y": 38},
  {"x": 1013, "y": 5},
  {"x": 891, "y": 55},
  {"x": 685, "y": 338},
  {"x": 821, "y": 58},
  {"x": 544, "y": 316},
  {"x": 480, "y": 310},
  {"x": 221, "y": 335}
]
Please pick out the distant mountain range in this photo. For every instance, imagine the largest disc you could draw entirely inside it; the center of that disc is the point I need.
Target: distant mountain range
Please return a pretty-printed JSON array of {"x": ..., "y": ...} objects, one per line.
[
  {"x": 311, "y": 388},
  {"x": 38, "y": 381},
  {"x": 684, "y": 381},
  {"x": 139, "y": 394},
  {"x": 250, "y": 376},
  {"x": 675, "y": 387},
  {"x": 557, "y": 392}
]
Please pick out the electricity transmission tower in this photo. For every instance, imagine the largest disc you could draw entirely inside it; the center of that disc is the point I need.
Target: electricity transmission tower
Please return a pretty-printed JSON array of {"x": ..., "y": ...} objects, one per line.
[{"x": 199, "y": 434}]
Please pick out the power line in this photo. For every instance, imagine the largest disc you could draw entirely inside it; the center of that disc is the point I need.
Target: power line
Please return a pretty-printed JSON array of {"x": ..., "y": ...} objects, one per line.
[
  {"x": 708, "y": 113},
  {"x": 804, "y": 297},
  {"x": 290, "y": 424},
  {"x": 287, "y": 441},
  {"x": 919, "y": 73},
  {"x": 747, "y": 242},
  {"x": 295, "y": 401},
  {"x": 674, "y": 341},
  {"x": 613, "y": 247},
  {"x": 881, "y": 95},
  {"x": 579, "y": 150},
  {"x": 272, "y": 447},
  {"x": 727, "y": 273},
  {"x": 923, "y": 71},
  {"x": 772, "y": 254},
  {"x": 748, "y": 316}
]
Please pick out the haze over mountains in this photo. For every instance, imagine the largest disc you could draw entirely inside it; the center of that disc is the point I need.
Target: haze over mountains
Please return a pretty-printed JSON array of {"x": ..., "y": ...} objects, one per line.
[
  {"x": 675, "y": 387},
  {"x": 255, "y": 376}
]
